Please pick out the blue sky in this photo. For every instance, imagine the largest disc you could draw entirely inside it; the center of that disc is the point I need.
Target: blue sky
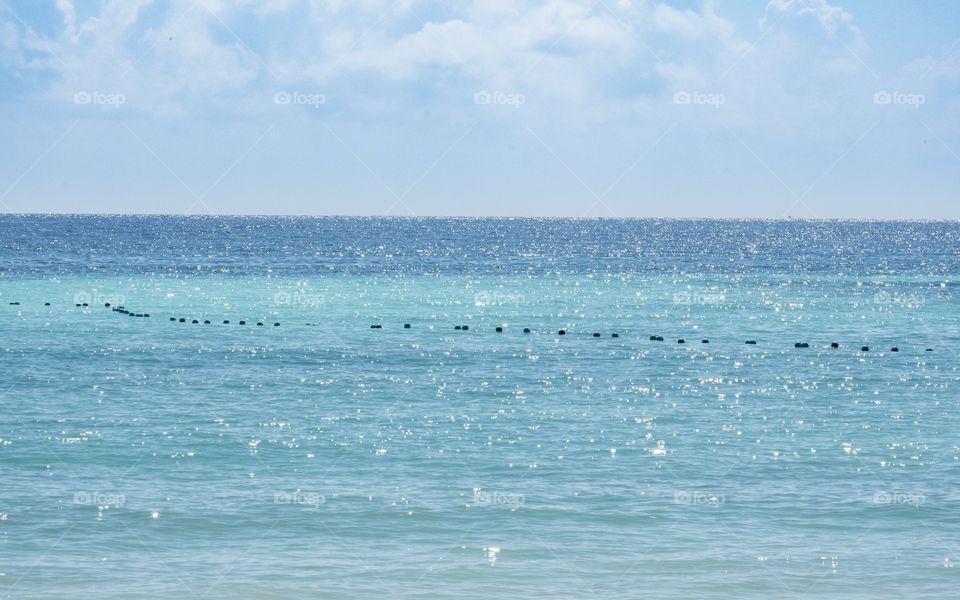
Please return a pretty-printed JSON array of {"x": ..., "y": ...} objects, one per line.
[{"x": 724, "y": 108}]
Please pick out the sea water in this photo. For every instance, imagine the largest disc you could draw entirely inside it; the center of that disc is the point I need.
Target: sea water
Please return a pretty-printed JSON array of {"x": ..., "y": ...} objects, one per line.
[{"x": 144, "y": 457}]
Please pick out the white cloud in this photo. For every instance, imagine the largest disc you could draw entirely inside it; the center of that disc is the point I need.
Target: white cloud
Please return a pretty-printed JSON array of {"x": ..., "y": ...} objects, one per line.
[
  {"x": 833, "y": 18},
  {"x": 575, "y": 56},
  {"x": 705, "y": 26},
  {"x": 69, "y": 18}
]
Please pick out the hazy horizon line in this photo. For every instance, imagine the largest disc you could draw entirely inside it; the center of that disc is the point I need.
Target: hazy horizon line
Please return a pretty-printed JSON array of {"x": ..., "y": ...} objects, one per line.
[{"x": 480, "y": 217}]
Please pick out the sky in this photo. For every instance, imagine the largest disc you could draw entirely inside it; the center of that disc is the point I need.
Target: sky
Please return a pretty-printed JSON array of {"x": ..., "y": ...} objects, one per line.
[{"x": 576, "y": 108}]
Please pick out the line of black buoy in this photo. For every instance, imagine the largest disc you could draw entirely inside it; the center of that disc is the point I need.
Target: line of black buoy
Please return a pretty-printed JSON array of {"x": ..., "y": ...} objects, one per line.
[
  {"x": 499, "y": 328},
  {"x": 225, "y": 321},
  {"x": 655, "y": 338},
  {"x": 123, "y": 311}
]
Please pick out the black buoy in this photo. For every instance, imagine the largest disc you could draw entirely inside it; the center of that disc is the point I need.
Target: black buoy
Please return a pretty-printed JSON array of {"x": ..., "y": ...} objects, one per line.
[
  {"x": 78, "y": 306},
  {"x": 276, "y": 324},
  {"x": 614, "y": 335},
  {"x": 243, "y": 322},
  {"x": 751, "y": 342},
  {"x": 562, "y": 332},
  {"x": 466, "y": 327},
  {"x": 596, "y": 335},
  {"x": 704, "y": 341},
  {"x": 206, "y": 322},
  {"x": 929, "y": 350},
  {"x": 182, "y": 320},
  {"x": 85, "y": 304},
  {"x": 526, "y": 330},
  {"x": 458, "y": 327},
  {"x": 834, "y": 345},
  {"x": 107, "y": 304},
  {"x": 406, "y": 325},
  {"x": 681, "y": 341},
  {"x": 371, "y": 327},
  {"x": 146, "y": 314},
  {"x": 195, "y": 322},
  {"x": 801, "y": 345},
  {"x": 261, "y": 325},
  {"x": 656, "y": 338},
  {"x": 894, "y": 349},
  {"x": 226, "y": 321},
  {"x": 18, "y": 304},
  {"x": 173, "y": 318},
  {"x": 864, "y": 348},
  {"x": 46, "y": 304},
  {"x": 499, "y": 329}
]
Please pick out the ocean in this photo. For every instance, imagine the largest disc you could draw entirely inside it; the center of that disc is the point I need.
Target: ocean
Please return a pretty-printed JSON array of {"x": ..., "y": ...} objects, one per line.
[{"x": 369, "y": 432}]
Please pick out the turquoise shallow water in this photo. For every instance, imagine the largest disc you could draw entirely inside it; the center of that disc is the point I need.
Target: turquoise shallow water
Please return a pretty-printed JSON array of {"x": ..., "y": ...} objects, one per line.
[{"x": 143, "y": 457}]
